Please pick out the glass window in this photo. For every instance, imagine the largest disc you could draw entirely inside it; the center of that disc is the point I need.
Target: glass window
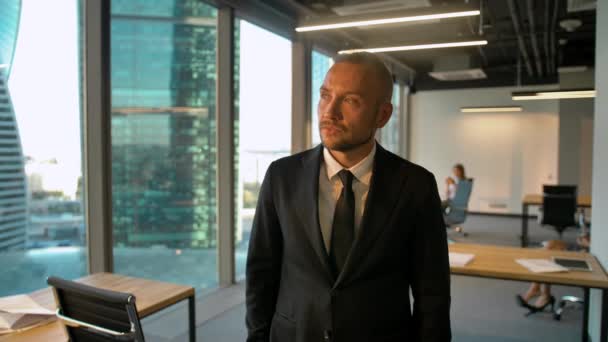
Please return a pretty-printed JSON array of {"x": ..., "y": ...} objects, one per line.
[
  {"x": 42, "y": 225},
  {"x": 389, "y": 134},
  {"x": 320, "y": 65},
  {"x": 164, "y": 140},
  {"x": 263, "y": 107}
]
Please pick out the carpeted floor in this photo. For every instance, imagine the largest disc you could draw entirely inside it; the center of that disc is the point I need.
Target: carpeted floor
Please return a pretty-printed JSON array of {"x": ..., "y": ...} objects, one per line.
[{"x": 483, "y": 310}]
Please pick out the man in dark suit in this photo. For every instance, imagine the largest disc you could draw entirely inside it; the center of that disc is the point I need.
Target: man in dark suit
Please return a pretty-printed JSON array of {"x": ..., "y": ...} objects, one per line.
[{"x": 342, "y": 232}]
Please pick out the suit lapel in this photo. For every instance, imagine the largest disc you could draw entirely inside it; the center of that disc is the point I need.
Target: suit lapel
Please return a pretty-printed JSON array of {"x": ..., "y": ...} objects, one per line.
[
  {"x": 308, "y": 205},
  {"x": 385, "y": 189}
]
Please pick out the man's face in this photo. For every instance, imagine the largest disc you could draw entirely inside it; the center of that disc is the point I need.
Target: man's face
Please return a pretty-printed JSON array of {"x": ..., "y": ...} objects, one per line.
[{"x": 351, "y": 107}]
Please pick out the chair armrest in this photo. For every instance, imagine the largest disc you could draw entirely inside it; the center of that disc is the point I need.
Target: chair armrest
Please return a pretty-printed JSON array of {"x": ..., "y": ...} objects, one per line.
[{"x": 77, "y": 323}]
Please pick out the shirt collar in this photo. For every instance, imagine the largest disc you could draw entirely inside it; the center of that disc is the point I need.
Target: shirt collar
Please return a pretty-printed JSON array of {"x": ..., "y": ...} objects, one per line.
[{"x": 362, "y": 170}]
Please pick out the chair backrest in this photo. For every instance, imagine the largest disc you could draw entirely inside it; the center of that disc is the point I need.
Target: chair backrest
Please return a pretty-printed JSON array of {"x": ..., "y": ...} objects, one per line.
[
  {"x": 559, "y": 206},
  {"x": 96, "y": 315},
  {"x": 460, "y": 203}
]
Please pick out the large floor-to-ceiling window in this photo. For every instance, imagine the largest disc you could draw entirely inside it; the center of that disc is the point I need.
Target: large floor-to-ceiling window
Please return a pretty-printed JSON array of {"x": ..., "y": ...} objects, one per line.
[
  {"x": 42, "y": 226},
  {"x": 263, "y": 107},
  {"x": 389, "y": 134},
  {"x": 320, "y": 65},
  {"x": 163, "y": 76}
]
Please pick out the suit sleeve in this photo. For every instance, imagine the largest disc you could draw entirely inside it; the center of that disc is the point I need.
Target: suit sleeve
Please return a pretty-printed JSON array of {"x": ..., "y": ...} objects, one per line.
[
  {"x": 263, "y": 264},
  {"x": 430, "y": 271}
]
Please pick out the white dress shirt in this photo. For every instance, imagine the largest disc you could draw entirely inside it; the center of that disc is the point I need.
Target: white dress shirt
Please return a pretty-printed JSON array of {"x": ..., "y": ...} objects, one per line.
[{"x": 330, "y": 187}]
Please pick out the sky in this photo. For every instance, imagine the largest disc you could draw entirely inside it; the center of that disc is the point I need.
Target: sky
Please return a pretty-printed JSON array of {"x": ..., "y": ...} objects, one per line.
[
  {"x": 265, "y": 89},
  {"x": 44, "y": 89}
]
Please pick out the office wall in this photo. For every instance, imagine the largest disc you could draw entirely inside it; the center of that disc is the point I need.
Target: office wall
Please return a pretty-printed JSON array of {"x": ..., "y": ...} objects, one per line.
[
  {"x": 600, "y": 161},
  {"x": 576, "y": 133},
  {"x": 508, "y": 154}
]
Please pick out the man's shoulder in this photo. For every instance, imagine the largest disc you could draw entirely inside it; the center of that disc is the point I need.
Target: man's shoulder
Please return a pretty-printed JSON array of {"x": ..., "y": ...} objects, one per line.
[
  {"x": 296, "y": 160},
  {"x": 410, "y": 168}
]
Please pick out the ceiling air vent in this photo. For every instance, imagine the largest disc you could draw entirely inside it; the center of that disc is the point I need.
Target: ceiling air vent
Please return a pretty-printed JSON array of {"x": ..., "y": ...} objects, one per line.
[
  {"x": 459, "y": 75},
  {"x": 359, "y": 7},
  {"x": 455, "y": 68},
  {"x": 581, "y": 5}
]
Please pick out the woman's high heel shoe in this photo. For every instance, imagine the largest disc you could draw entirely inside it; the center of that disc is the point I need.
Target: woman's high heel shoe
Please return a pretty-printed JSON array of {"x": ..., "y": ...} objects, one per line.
[
  {"x": 534, "y": 309},
  {"x": 522, "y": 302}
]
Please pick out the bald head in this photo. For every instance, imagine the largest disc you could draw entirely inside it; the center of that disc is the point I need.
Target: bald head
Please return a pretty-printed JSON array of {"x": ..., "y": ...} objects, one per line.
[{"x": 378, "y": 69}]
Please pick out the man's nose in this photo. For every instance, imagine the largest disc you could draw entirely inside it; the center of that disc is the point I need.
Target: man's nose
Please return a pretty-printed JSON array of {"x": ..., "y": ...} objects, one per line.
[{"x": 331, "y": 110}]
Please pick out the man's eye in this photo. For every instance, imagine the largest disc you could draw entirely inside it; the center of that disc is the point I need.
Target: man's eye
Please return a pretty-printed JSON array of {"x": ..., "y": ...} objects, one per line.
[
  {"x": 351, "y": 101},
  {"x": 324, "y": 96}
]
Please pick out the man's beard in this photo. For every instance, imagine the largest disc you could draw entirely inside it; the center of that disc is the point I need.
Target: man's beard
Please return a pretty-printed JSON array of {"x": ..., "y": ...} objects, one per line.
[{"x": 345, "y": 146}]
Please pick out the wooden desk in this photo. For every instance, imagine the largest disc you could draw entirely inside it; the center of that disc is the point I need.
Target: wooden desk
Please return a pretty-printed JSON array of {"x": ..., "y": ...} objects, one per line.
[
  {"x": 537, "y": 199},
  {"x": 150, "y": 297},
  {"x": 499, "y": 263}
]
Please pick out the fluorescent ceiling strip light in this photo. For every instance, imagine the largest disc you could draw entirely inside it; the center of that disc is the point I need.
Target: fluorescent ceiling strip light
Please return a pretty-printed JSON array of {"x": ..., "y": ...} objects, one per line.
[
  {"x": 533, "y": 97},
  {"x": 417, "y": 47},
  {"x": 554, "y": 95},
  {"x": 490, "y": 109},
  {"x": 373, "y": 22},
  {"x": 565, "y": 93}
]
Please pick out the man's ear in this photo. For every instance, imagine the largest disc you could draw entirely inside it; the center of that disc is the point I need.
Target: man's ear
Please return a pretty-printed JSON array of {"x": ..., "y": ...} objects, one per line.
[{"x": 385, "y": 110}]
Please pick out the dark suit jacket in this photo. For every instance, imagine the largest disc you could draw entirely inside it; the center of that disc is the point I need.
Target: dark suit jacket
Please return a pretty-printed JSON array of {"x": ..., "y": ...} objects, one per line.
[{"x": 291, "y": 293}]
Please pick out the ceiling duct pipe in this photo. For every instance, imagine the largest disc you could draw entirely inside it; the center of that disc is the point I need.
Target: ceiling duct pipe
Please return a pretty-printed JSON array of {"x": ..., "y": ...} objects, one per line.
[
  {"x": 532, "y": 28},
  {"x": 553, "y": 42},
  {"x": 520, "y": 39}
]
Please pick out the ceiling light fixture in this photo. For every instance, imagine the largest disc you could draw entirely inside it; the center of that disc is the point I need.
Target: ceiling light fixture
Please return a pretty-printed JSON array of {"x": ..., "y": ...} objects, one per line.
[
  {"x": 553, "y": 95},
  {"x": 573, "y": 68},
  {"x": 494, "y": 109},
  {"x": 385, "y": 21},
  {"x": 417, "y": 47}
]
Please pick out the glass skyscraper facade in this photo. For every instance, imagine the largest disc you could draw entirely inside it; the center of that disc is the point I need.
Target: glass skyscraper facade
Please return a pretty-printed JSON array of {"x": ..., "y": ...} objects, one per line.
[
  {"x": 164, "y": 130},
  {"x": 13, "y": 199}
]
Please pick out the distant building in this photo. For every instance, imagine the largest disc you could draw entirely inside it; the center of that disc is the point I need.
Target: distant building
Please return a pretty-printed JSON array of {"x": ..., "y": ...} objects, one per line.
[
  {"x": 55, "y": 221},
  {"x": 35, "y": 182},
  {"x": 163, "y": 124},
  {"x": 13, "y": 201}
]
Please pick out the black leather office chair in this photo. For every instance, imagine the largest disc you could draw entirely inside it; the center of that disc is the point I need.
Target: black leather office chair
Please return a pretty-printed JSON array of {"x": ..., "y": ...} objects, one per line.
[
  {"x": 96, "y": 315},
  {"x": 559, "y": 207}
]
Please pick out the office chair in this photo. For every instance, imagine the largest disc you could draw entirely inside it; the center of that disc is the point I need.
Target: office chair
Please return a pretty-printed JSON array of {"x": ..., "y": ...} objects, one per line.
[
  {"x": 456, "y": 212},
  {"x": 559, "y": 207},
  {"x": 95, "y": 315}
]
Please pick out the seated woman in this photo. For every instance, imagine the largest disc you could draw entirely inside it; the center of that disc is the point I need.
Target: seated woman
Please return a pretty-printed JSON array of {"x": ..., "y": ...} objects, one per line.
[{"x": 451, "y": 184}]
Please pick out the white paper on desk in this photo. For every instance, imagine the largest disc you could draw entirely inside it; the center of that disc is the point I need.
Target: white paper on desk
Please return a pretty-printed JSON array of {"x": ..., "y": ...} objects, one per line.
[
  {"x": 541, "y": 265},
  {"x": 460, "y": 259},
  {"x": 20, "y": 312}
]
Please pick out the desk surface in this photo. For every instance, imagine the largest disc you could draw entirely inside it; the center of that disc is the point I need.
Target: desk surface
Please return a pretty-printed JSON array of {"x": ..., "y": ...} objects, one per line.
[
  {"x": 537, "y": 199},
  {"x": 150, "y": 297},
  {"x": 499, "y": 262}
]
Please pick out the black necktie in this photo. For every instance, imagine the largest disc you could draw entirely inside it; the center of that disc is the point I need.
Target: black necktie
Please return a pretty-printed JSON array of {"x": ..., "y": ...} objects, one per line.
[{"x": 343, "y": 228}]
